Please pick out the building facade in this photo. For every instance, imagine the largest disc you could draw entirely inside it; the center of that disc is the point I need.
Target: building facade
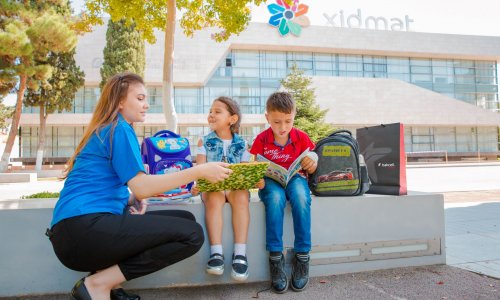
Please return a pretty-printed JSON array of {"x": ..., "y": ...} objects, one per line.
[{"x": 444, "y": 88}]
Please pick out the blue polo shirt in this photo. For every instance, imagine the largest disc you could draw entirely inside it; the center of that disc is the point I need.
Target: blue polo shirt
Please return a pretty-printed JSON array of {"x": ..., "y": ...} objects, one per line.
[{"x": 98, "y": 181}]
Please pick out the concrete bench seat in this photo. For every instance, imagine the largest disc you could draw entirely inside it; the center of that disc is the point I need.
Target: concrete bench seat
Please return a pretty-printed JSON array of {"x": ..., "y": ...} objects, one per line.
[
  {"x": 349, "y": 234},
  {"x": 17, "y": 177}
]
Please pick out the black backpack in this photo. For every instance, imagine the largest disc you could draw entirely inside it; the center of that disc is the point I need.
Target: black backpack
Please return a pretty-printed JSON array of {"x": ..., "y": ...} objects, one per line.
[{"x": 341, "y": 169}]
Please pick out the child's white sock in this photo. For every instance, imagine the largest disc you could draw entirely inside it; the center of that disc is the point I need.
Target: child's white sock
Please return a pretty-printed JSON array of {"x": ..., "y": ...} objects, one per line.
[
  {"x": 216, "y": 249},
  {"x": 240, "y": 249}
]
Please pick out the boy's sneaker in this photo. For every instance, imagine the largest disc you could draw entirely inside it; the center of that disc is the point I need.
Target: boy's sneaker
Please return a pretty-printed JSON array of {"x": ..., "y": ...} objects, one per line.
[
  {"x": 240, "y": 268},
  {"x": 300, "y": 271},
  {"x": 215, "y": 264},
  {"x": 279, "y": 280}
]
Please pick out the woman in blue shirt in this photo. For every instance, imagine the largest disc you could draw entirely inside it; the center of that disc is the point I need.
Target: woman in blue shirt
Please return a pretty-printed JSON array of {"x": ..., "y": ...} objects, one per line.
[{"x": 90, "y": 231}]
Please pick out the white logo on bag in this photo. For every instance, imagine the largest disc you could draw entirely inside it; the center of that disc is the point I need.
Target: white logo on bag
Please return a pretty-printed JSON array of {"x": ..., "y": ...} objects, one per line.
[{"x": 386, "y": 165}]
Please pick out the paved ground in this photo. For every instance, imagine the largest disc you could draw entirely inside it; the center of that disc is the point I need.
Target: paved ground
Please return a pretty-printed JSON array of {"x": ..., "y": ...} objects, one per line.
[
  {"x": 432, "y": 282},
  {"x": 472, "y": 216}
]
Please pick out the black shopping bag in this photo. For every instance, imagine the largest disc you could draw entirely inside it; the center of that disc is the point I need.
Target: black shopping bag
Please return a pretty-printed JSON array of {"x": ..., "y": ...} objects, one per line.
[{"x": 383, "y": 148}]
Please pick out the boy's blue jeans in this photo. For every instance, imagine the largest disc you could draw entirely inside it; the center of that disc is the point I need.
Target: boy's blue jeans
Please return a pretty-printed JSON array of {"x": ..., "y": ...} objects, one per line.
[{"x": 274, "y": 197}]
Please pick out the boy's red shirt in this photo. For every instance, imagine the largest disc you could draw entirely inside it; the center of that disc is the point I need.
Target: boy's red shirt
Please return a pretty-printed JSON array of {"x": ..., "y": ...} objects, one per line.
[{"x": 298, "y": 142}]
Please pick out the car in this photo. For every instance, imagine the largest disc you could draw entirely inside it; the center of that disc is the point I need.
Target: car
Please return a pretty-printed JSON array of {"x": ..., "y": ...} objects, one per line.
[{"x": 337, "y": 175}]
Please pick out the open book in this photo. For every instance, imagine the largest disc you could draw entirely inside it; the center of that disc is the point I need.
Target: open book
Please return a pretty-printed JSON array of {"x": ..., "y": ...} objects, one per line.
[
  {"x": 244, "y": 177},
  {"x": 280, "y": 174}
]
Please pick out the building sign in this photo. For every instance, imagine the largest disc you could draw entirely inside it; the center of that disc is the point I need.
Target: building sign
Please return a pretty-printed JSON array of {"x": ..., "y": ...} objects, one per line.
[
  {"x": 288, "y": 16},
  {"x": 357, "y": 20}
]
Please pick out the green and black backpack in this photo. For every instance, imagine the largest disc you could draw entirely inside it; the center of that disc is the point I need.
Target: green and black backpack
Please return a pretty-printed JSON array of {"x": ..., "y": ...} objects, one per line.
[{"x": 341, "y": 169}]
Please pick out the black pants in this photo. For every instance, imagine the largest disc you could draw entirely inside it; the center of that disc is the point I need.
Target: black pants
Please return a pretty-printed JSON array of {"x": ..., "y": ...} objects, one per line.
[{"x": 138, "y": 244}]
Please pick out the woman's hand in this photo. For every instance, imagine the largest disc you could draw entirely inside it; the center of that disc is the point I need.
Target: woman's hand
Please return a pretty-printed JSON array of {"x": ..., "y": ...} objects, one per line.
[
  {"x": 215, "y": 171},
  {"x": 260, "y": 184},
  {"x": 308, "y": 165},
  {"x": 139, "y": 208}
]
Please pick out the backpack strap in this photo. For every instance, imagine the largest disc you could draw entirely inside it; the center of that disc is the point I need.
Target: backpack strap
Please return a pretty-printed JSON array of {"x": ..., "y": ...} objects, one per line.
[
  {"x": 166, "y": 133},
  {"x": 341, "y": 131}
]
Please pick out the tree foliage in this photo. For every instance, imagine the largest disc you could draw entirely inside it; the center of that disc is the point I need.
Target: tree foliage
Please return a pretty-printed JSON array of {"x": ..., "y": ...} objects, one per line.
[
  {"x": 231, "y": 17},
  {"x": 6, "y": 112},
  {"x": 59, "y": 92},
  {"x": 124, "y": 50},
  {"x": 310, "y": 117},
  {"x": 29, "y": 30}
]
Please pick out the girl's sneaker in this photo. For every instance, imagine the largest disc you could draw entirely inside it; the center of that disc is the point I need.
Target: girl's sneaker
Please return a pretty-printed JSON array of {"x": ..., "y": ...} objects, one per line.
[
  {"x": 215, "y": 264},
  {"x": 240, "y": 268}
]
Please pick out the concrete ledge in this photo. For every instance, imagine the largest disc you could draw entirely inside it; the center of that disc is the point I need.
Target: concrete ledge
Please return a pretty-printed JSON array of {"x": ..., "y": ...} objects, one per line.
[
  {"x": 350, "y": 234},
  {"x": 17, "y": 177}
]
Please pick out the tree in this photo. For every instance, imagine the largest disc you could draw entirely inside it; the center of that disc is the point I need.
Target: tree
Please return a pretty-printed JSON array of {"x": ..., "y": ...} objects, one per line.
[
  {"x": 124, "y": 50},
  {"x": 230, "y": 16},
  {"x": 309, "y": 117},
  {"x": 6, "y": 112},
  {"x": 57, "y": 95},
  {"x": 29, "y": 30}
]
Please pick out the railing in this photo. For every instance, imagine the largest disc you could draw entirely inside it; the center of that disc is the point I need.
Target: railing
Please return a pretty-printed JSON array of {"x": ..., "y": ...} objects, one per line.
[
  {"x": 447, "y": 156},
  {"x": 428, "y": 154}
]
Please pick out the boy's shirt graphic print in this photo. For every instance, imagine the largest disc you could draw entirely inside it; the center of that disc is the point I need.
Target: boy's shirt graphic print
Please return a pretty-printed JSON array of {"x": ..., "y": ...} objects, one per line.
[{"x": 284, "y": 156}]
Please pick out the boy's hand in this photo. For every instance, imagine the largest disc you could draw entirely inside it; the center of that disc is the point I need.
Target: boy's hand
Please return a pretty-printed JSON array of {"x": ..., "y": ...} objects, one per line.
[
  {"x": 194, "y": 190},
  {"x": 260, "y": 184},
  {"x": 308, "y": 165}
]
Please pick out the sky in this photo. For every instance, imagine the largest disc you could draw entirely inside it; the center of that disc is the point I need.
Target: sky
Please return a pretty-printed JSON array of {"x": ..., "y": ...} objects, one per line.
[{"x": 477, "y": 17}]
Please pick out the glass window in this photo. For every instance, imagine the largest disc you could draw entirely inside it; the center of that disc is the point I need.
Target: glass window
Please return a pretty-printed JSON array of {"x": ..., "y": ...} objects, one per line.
[
  {"x": 487, "y": 139},
  {"x": 444, "y": 139},
  {"x": 303, "y": 61},
  {"x": 245, "y": 63},
  {"x": 463, "y": 63},
  {"x": 407, "y": 136},
  {"x": 193, "y": 134},
  {"x": 273, "y": 64},
  {"x": 422, "y": 139},
  {"x": 79, "y": 101},
  {"x": 420, "y": 70},
  {"x": 404, "y": 77},
  {"x": 249, "y": 133},
  {"x": 466, "y": 139},
  {"x": 155, "y": 99},
  {"x": 66, "y": 142},
  {"x": 188, "y": 101},
  {"x": 90, "y": 97},
  {"x": 416, "y": 78},
  {"x": 420, "y": 62}
]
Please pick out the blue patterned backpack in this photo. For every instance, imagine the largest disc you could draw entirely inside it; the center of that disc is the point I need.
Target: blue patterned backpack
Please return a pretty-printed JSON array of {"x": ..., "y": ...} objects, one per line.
[{"x": 167, "y": 152}]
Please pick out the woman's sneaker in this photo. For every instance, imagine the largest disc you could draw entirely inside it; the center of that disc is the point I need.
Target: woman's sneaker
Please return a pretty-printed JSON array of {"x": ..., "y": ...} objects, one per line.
[
  {"x": 240, "y": 268},
  {"x": 215, "y": 264}
]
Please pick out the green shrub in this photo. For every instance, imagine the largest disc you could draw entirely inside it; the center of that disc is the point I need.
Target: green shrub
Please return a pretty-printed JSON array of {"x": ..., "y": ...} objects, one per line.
[{"x": 42, "y": 195}]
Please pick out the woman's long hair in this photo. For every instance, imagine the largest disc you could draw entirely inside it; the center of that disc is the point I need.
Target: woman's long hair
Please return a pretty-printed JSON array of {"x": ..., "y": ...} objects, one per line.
[{"x": 114, "y": 91}]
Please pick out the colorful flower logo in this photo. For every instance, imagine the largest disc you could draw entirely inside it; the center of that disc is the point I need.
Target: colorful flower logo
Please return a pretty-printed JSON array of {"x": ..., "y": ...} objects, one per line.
[{"x": 288, "y": 18}]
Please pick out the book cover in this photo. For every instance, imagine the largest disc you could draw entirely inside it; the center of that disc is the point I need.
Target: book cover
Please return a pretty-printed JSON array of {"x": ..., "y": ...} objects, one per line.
[
  {"x": 280, "y": 174},
  {"x": 244, "y": 177},
  {"x": 171, "y": 197}
]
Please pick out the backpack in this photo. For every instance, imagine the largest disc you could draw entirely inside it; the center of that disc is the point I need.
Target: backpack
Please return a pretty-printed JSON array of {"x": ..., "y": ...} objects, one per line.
[
  {"x": 341, "y": 169},
  {"x": 167, "y": 152}
]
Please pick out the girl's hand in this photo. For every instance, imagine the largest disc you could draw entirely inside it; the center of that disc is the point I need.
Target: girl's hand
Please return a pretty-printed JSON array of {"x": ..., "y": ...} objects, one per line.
[
  {"x": 215, "y": 171},
  {"x": 308, "y": 165},
  {"x": 194, "y": 190},
  {"x": 260, "y": 184},
  {"x": 139, "y": 208}
]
